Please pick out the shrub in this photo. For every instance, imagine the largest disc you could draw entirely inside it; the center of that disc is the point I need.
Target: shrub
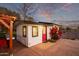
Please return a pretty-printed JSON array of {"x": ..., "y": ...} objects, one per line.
[
  {"x": 2, "y": 35},
  {"x": 55, "y": 33}
]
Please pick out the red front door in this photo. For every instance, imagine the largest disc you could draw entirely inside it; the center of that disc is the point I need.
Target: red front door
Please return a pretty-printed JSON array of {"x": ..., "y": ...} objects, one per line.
[{"x": 44, "y": 34}]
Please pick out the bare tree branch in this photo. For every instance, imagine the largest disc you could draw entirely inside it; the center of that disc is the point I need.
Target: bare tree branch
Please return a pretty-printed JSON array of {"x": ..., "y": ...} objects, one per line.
[{"x": 25, "y": 8}]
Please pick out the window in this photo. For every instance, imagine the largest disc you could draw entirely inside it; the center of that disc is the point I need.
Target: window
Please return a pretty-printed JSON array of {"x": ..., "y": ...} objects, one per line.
[
  {"x": 34, "y": 31},
  {"x": 24, "y": 31}
]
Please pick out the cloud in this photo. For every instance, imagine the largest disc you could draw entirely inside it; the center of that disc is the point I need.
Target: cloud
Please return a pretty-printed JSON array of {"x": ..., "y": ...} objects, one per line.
[
  {"x": 46, "y": 13},
  {"x": 67, "y": 7}
]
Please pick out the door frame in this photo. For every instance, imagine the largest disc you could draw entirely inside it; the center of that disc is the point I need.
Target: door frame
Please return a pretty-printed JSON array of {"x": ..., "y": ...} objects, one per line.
[{"x": 45, "y": 32}]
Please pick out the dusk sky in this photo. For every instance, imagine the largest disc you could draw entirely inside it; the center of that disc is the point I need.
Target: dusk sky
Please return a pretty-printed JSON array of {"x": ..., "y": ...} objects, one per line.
[{"x": 51, "y": 12}]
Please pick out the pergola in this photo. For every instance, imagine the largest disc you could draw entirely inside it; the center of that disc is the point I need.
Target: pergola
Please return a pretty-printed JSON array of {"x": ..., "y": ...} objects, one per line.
[{"x": 8, "y": 21}]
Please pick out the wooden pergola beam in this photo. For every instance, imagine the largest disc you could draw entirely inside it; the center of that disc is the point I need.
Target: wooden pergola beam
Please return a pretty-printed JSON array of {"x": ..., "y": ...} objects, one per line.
[
  {"x": 10, "y": 28},
  {"x": 4, "y": 23}
]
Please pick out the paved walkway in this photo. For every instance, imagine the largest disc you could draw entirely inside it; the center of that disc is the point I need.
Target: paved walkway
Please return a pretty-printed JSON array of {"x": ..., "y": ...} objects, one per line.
[{"x": 63, "y": 47}]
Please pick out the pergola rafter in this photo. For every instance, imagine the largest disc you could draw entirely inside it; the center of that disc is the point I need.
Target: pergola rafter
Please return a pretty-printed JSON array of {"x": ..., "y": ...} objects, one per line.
[
  {"x": 7, "y": 21},
  {"x": 4, "y": 23}
]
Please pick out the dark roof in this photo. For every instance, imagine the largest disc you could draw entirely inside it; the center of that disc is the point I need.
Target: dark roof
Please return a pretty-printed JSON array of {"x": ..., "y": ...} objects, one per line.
[
  {"x": 48, "y": 23},
  {"x": 45, "y": 23},
  {"x": 19, "y": 22}
]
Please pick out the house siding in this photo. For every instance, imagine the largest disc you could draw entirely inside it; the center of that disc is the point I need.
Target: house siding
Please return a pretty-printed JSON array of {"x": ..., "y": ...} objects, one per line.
[
  {"x": 34, "y": 40},
  {"x": 20, "y": 38},
  {"x": 29, "y": 40},
  {"x": 48, "y": 32}
]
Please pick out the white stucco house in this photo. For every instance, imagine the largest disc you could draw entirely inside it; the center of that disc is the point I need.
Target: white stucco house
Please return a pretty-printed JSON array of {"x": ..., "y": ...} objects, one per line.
[{"x": 32, "y": 33}]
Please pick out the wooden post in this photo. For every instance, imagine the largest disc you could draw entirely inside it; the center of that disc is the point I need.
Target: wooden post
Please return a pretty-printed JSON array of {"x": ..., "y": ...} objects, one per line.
[
  {"x": 10, "y": 28},
  {"x": 11, "y": 35}
]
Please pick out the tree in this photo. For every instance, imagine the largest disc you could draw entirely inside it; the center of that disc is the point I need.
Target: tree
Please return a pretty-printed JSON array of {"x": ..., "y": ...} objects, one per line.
[
  {"x": 68, "y": 28},
  {"x": 24, "y": 10},
  {"x": 9, "y": 12},
  {"x": 78, "y": 27},
  {"x": 30, "y": 18}
]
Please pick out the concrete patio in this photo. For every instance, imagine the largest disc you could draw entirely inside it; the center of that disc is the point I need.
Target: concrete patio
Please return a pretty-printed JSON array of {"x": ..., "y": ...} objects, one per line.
[{"x": 63, "y": 47}]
